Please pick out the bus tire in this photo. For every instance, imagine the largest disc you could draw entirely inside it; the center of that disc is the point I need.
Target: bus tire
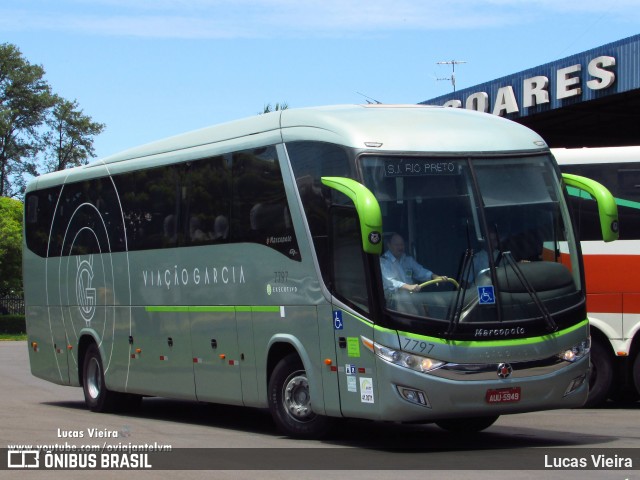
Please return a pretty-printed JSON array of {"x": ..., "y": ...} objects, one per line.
[
  {"x": 636, "y": 373},
  {"x": 290, "y": 401},
  {"x": 600, "y": 376},
  {"x": 467, "y": 425},
  {"x": 96, "y": 395}
]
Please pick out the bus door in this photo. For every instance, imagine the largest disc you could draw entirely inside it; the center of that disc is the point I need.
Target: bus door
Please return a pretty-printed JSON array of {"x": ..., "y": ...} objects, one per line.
[
  {"x": 216, "y": 354},
  {"x": 350, "y": 286}
]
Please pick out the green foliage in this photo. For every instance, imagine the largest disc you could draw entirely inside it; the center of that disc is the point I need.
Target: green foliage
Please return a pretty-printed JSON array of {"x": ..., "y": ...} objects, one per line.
[
  {"x": 10, "y": 246},
  {"x": 37, "y": 128},
  {"x": 25, "y": 98},
  {"x": 69, "y": 139}
]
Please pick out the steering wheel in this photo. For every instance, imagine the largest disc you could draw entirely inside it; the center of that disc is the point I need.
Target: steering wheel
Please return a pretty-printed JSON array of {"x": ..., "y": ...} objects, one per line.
[{"x": 440, "y": 280}]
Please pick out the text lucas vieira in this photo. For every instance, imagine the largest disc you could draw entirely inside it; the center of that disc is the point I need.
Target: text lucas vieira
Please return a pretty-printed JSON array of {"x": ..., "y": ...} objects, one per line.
[
  {"x": 592, "y": 461},
  {"x": 92, "y": 433}
]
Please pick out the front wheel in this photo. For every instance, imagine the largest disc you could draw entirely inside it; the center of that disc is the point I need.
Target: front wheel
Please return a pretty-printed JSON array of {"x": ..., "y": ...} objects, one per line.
[
  {"x": 601, "y": 375},
  {"x": 290, "y": 401},
  {"x": 467, "y": 425},
  {"x": 636, "y": 373}
]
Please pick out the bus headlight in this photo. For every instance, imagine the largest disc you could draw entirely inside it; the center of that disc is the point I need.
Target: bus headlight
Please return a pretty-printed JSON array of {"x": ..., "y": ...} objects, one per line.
[
  {"x": 576, "y": 352},
  {"x": 403, "y": 359}
]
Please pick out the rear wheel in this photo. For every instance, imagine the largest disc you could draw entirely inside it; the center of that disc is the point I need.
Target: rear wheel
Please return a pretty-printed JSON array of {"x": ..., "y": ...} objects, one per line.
[
  {"x": 467, "y": 425},
  {"x": 96, "y": 395},
  {"x": 601, "y": 375},
  {"x": 290, "y": 401}
]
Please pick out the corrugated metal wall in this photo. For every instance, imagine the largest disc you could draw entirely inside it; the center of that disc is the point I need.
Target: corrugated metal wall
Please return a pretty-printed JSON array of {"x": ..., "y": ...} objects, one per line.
[{"x": 627, "y": 70}]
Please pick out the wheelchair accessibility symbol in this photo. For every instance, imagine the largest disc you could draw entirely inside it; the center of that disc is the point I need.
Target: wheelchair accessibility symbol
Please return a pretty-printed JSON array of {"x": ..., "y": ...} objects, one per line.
[
  {"x": 486, "y": 295},
  {"x": 337, "y": 320}
]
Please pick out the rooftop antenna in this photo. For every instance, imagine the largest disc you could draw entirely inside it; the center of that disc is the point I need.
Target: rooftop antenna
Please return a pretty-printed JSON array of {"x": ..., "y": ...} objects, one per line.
[
  {"x": 369, "y": 99},
  {"x": 453, "y": 64}
]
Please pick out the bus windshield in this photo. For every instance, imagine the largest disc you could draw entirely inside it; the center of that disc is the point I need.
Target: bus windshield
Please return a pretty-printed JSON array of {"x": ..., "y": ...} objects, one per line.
[{"x": 480, "y": 240}]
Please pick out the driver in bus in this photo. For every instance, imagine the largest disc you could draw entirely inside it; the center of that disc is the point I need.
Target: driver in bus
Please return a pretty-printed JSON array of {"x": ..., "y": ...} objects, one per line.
[
  {"x": 400, "y": 272},
  {"x": 481, "y": 257}
]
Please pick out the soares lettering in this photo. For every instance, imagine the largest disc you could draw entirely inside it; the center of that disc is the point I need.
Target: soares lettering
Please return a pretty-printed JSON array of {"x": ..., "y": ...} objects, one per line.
[{"x": 536, "y": 91}]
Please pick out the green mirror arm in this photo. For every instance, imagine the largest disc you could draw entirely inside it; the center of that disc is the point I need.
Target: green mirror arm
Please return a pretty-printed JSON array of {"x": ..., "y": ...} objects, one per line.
[
  {"x": 368, "y": 211},
  {"x": 607, "y": 208}
]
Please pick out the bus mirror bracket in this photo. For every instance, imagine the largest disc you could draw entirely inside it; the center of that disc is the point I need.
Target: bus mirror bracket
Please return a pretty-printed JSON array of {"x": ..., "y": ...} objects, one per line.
[
  {"x": 368, "y": 210},
  {"x": 607, "y": 208}
]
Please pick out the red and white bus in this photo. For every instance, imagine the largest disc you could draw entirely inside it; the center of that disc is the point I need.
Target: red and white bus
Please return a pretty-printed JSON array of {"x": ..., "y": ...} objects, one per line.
[{"x": 612, "y": 269}]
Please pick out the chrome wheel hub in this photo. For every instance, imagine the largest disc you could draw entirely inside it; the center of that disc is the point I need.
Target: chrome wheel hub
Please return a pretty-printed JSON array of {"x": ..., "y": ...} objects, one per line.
[{"x": 296, "y": 398}]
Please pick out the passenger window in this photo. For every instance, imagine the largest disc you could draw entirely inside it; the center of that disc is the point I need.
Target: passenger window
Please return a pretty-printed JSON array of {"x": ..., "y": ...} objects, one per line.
[
  {"x": 349, "y": 279},
  {"x": 623, "y": 181},
  {"x": 260, "y": 212},
  {"x": 208, "y": 202}
]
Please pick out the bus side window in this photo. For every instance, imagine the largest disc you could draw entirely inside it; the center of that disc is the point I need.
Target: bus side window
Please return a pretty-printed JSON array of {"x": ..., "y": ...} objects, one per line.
[
  {"x": 310, "y": 161},
  {"x": 260, "y": 212},
  {"x": 349, "y": 279},
  {"x": 623, "y": 181},
  {"x": 207, "y": 203},
  {"x": 39, "y": 213}
]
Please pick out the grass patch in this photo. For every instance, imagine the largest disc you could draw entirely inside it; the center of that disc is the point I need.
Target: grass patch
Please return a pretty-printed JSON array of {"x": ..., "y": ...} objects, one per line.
[{"x": 13, "y": 336}]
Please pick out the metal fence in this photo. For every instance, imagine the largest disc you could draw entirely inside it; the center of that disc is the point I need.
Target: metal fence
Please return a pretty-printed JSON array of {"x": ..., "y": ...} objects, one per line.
[{"x": 11, "y": 306}]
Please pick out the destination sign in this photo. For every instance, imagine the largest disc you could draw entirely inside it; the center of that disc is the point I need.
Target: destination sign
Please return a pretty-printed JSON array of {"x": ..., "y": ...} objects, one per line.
[{"x": 415, "y": 167}]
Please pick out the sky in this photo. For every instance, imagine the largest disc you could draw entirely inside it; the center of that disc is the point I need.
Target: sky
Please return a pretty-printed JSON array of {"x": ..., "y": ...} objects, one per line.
[{"x": 149, "y": 69}]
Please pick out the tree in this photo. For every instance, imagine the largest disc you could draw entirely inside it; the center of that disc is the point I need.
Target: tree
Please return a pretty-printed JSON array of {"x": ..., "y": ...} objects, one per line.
[
  {"x": 25, "y": 98},
  {"x": 10, "y": 246},
  {"x": 278, "y": 106},
  {"x": 37, "y": 128},
  {"x": 68, "y": 141}
]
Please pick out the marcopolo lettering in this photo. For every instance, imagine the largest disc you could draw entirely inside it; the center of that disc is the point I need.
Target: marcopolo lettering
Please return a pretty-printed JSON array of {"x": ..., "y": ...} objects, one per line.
[
  {"x": 277, "y": 240},
  {"x": 536, "y": 90},
  {"x": 499, "y": 332}
]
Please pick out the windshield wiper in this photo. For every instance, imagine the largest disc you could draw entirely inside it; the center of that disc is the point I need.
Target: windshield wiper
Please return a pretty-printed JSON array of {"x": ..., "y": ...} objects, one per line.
[
  {"x": 465, "y": 271},
  {"x": 552, "y": 326},
  {"x": 456, "y": 312}
]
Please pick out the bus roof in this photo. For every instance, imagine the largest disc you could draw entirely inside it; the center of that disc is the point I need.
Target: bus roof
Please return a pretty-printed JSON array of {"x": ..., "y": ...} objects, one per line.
[
  {"x": 379, "y": 128},
  {"x": 567, "y": 156},
  {"x": 395, "y": 127}
]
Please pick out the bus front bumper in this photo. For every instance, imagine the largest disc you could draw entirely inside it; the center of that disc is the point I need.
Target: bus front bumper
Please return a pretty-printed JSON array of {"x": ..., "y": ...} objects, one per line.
[{"x": 408, "y": 396}]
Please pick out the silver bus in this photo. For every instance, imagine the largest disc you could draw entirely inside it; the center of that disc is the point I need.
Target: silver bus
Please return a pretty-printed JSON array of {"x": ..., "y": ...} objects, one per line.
[{"x": 251, "y": 264}]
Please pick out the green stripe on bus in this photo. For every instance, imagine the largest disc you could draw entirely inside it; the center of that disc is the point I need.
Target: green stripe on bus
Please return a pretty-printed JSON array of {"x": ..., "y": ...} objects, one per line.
[
  {"x": 267, "y": 308},
  {"x": 627, "y": 203},
  {"x": 166, "y": 309},
  {"x": 212, "y": 308},
  {"x": 621, "y": 202},
  {"x": 497, "y": 343}
]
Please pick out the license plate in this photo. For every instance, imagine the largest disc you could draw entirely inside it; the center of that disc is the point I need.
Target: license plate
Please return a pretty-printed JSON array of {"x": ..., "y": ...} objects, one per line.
[{"x": 503, "y": 395}]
